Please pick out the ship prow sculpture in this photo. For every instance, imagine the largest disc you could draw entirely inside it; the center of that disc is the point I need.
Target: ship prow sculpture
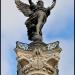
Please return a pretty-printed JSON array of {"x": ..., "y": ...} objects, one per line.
[{"x": 36, "y": 58}]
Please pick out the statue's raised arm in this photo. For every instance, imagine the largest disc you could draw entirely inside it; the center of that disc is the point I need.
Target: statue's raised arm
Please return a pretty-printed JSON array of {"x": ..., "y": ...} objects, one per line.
[
  {"x": 52, "y": 6},
  {"x": 30, "y": 1},
  {"x": 24, "y": 8},
  {"x": 32, "y": 5}
]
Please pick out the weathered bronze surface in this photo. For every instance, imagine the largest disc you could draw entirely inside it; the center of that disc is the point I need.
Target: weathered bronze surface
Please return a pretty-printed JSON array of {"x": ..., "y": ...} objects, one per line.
[{"x": 37, "y": 17}]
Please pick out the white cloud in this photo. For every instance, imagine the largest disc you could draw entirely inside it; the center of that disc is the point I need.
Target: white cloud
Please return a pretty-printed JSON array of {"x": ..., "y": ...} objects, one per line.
[
  {"x": 8, "y": 58},
  {"x": 5, "y": 68},
  {"x": 57, "y": 21},
  {"x": 66, "y": 65}
]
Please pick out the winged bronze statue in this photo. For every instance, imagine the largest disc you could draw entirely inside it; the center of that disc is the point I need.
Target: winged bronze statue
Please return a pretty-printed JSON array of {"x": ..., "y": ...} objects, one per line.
[{"x": 37, "y": 15}]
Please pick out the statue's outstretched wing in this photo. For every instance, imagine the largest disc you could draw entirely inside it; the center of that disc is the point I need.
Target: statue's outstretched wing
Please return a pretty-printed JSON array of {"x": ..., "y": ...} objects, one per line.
[{"x": 24, "y": 8}]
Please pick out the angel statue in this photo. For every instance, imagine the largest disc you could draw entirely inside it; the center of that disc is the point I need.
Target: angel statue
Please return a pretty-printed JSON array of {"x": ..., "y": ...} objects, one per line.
[{"x": 37, "y": 15}]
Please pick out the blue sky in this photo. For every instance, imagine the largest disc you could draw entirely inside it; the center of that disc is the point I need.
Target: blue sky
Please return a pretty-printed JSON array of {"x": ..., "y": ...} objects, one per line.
[{"x": 59, "y": 26}]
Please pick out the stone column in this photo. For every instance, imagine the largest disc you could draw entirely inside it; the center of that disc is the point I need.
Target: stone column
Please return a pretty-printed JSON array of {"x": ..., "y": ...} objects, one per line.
[{"x": 37, "y": 58}]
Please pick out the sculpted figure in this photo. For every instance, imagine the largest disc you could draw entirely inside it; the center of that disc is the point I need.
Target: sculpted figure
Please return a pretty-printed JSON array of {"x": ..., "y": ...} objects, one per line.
[{"x": 37, "y": 15}]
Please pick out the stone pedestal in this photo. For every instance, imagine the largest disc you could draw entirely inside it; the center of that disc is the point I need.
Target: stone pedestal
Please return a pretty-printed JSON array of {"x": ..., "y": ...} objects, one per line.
[{"x": 37, "y": 58}]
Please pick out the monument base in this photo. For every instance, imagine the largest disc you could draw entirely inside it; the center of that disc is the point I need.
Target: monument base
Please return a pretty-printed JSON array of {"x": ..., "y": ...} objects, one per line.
[{"x": 37, "y": 58}]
